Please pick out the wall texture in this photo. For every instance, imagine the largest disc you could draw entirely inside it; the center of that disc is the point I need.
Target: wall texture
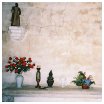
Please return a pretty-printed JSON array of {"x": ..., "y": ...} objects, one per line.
[{"x": 62, "y": 37}]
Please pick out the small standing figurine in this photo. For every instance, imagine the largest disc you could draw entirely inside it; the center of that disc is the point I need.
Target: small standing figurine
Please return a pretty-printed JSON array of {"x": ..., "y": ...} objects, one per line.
[
  {"x": 38, "y": 76},
  {"x": 50, "y": 79},
  {"x": 16, "y": 12}
]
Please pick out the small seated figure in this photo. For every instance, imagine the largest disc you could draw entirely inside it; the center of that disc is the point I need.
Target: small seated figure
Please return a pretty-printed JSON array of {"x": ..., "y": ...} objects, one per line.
[{"x": 38, "y": 76}]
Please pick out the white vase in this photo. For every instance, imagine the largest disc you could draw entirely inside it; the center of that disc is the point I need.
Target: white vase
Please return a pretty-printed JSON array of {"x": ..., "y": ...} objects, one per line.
[{"x": 19, "y": 81}]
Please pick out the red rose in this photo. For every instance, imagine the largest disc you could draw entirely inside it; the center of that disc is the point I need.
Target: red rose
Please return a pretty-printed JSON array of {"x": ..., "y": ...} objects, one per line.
[
  {"x": 32, "y": 66},
  {"x": 30, "y": 60},
  {"x": 14, "y": 65},
  {"x": 21, "y": 58},
  {"x": 24, "y": 63},
  {"x": 11, "y": 64},
  {"x": 10, "y": 58},
  {"x": 16, "y": 58},
  {"x": 6, "y": 66},
  {"x": 16, "y": 71}
]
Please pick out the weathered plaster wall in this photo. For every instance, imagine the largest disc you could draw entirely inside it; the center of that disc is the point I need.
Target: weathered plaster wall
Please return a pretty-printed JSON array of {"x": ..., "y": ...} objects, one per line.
[{"x": 63, "y": 37}]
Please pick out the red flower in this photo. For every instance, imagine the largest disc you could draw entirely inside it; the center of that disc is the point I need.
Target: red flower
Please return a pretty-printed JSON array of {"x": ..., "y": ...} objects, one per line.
[
  {"x": 21, "y": 58},
  {"x": 10, "y": 58},
  {"x": 20, "y": 63},
  {"x": 11, "y": 64},
  {"x": 30, "y": 66},
  {"x": 16, "y": 71},
  {"x": 30, "y": 60},
  {"x": 16, "y": 58},
  {"x": 6, "y": 66},
  {"x": 24, "y": 63},
  {"x": 14, "y": 65}
]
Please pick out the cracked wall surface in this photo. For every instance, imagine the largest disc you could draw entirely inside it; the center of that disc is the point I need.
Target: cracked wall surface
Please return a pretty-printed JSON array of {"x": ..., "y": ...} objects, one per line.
[{"x": 62, "y": 37}]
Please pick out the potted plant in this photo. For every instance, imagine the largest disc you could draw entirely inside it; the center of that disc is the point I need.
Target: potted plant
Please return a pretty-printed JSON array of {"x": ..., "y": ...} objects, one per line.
[
  {"x": 50, "y": 79},
  {"x": 82, "y": 80},
  {"x": 87, "y": 82},
  {"x": 18, "y": 66}
]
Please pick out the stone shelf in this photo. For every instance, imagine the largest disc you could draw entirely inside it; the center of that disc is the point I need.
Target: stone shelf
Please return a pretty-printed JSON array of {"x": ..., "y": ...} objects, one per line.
[{"x": 32, "y": 94}]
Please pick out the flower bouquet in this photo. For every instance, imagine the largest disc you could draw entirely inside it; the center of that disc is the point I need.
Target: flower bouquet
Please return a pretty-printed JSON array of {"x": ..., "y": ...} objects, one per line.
[
  {"x": 82, "y": 80},
  {"x": 19, "y": 65}
]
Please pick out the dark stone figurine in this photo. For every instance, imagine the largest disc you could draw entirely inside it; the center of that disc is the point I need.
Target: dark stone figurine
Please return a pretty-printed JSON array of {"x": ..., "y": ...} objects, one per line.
[
  {"x": 38, "y": 77},
  {"x": 50, "y": 79},
  {"x": 16, "y": 12}
]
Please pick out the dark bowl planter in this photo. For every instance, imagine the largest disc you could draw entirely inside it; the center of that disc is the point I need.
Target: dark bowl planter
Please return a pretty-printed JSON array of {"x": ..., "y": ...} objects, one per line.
[
  {"x": 50, "y": 83},
  {"x": 84, "y": 86}
]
